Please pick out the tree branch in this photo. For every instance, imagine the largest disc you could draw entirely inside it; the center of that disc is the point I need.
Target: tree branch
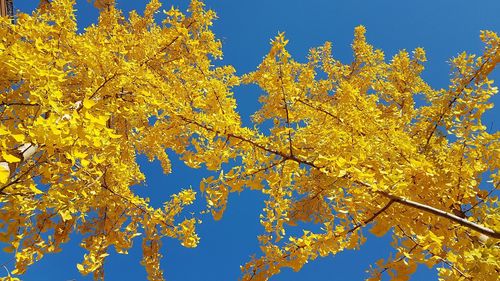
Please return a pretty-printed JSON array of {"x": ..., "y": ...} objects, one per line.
[
  {"x": 440, "y": 213},
  {"x": 287, "y": 112},
  {"x": 375, "y": 215},
  {"x": 463, "y": 222}
]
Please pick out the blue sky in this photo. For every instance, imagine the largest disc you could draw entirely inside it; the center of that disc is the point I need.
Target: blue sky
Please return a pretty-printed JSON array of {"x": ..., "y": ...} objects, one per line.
[{"x": 442, "y": 28}]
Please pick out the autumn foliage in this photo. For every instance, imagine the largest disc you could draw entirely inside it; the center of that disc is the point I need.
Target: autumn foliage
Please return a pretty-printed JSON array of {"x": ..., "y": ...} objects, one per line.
[
  {"x": 365, "y": 145},
  {"x": 82, "y": 104}
]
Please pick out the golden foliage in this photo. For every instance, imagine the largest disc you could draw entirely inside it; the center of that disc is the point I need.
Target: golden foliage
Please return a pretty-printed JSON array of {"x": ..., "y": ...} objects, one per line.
[
  {"x": 82, "y": 105},
  {"x": 348, "y": 146}
]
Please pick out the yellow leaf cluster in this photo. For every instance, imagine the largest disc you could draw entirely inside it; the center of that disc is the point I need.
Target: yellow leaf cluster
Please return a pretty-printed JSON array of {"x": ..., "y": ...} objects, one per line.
[
  {"x": 78, "y": 107},
  {"x": 354, "y": 147},
  {"x": 349, "y": 145}
]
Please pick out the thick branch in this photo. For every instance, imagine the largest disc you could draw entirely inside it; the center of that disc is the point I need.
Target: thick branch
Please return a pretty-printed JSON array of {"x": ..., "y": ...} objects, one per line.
[
  {"x": 463, "y": 222},
  {"x": 25, "y": 151},
  {"x": 428, "y": 209}
]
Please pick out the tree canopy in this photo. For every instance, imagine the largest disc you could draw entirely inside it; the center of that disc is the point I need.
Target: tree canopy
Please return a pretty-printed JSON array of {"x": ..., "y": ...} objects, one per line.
[{"x": 335, "y": 148}]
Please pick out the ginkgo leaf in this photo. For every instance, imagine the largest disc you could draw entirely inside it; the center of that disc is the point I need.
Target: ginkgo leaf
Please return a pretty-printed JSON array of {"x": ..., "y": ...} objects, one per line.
[
  {"x": 10, "y": 158},
  {"x": 80, "y": 267},
  {"x": 3, "y": 131},
  {"x": 65, "y": 215},
  {"x": 18, "y": 137},
  {"x": 4, "y": 173},
  {"x": 34, "y": 189},
  {"x": 88, "y": 103}
]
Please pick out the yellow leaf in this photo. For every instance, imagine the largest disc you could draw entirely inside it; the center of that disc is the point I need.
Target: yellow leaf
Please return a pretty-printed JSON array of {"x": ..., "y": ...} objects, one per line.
[
  {"x": 85, "y": 162},
  {"x": 79, "y": 154},
  {"x": 88, "y": 103},
  {"x": 101, "y": 120},
  {"x": 18, "y": 137},
  {"x": 114, "y": 136},
  {"x": 65, "y": 215},
  {"x": 80, "y": 267},
  {"x": 451, "y": 257},
  {"x": 34, "y": 189},
  {"x": 342, "y": 173},
  {"x": 10, "y": 158},
  {"x": 3, "y": 131},
  {"x": 437, "y": 239},
  {"x": 4, "y": 174}
]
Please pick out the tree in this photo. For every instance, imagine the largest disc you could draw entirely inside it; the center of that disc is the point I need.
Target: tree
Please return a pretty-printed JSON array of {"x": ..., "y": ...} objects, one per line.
[
  {"x": 348, "y": 145},
  {"x": 76, "y": 109}
]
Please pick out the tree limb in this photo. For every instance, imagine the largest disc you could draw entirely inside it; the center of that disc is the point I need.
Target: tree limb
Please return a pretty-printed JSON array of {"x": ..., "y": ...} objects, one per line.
[{"x": 440, "y": 213}]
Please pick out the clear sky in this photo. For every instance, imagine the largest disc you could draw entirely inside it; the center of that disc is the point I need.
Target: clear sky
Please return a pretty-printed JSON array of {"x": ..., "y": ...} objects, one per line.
[{"x": 443, "y": 28}]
